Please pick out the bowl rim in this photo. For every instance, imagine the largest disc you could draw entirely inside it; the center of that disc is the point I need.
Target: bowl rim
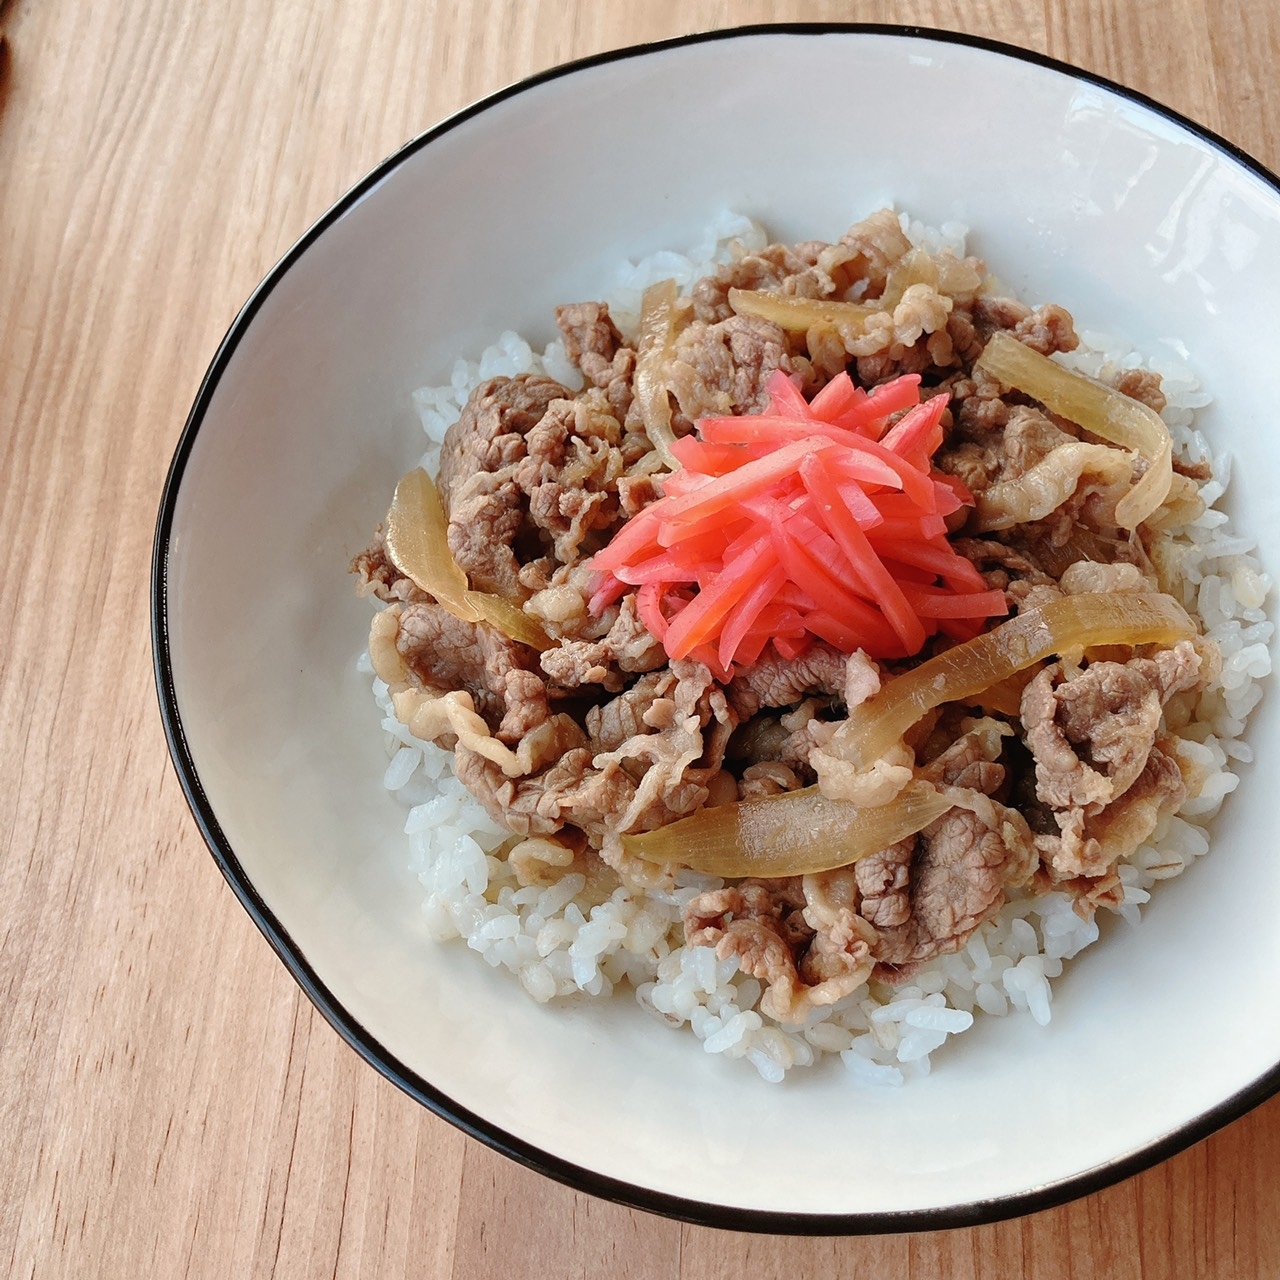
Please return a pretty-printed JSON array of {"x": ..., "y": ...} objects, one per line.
[{"x": 966, "y": 1214}]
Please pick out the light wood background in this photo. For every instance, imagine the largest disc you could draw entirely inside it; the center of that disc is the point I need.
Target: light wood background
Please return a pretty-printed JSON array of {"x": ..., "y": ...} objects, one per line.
[{"x": 170, "y": 1104}]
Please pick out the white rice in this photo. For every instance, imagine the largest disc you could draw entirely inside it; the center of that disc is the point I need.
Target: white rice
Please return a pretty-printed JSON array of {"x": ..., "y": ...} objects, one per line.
[{"x": 559, "y": 942}]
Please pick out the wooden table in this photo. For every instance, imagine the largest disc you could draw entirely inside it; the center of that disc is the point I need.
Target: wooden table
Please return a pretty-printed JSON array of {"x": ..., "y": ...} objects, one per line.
[{"x": 170, "y": 1104}]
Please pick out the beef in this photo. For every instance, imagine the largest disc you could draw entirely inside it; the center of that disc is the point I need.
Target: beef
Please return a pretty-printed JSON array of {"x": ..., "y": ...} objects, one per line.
[
  {"x": 956, "y": 877},
  {"x": 1000, "y": 564},
  {"x": 642, "y": 707},
  {"x": 1087, "y": 847},
  {"x": 838, "y": 959},
  {"x": 537, "y": 805},
  {"x": 599, "y": 736},
  {"x": 884, "y": 881},
  {"x": 489, "y": 434},
  {"x": 777, "y": 903},
  {"x": 1146, "y": 387},
  {"x": 981, "y": 452},
  {"x": 979, "y": 402},
  {"x": 920, "y": 899},
  {"x": 644, "y": 762},
  {"x": 569, "y": 476},
  {"x": 777, "y": 268},
  {"x": 635, "y": 492},
  {"x": 442, "y": 652},
  {"x": 971, "y": 759},
  {"x": 872, "y": 247},
  {"x": 767, "y": 778},
  {"x": 1047, "y": 329},
  {"x": 485, "y": 506},
  {"x": 526, "y": 470},
  {"x": 593, "y": 343},
  {"x": 978, "y": 405},
  {"x": 803, "y": 940},
  {"x": 625, "y": 649},
  {"x": 486, "y": 518},
  {"x": 1029, "y": 437},
  {"x": 591, "y": 339},
  {"x": 380, "y": 577},
  {"x": 775, "y": 681},
  {"x": 1091, "y": 730},
  {"x": 1100, "y": 770},
  {"x": 722, "y": 368}
]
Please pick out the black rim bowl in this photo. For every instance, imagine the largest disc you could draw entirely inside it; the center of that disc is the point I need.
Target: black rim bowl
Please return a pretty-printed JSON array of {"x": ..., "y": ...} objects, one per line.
[{"x": 572, "y": 1175}]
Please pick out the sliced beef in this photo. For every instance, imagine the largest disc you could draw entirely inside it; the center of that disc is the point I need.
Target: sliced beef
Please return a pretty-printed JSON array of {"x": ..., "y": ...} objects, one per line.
[
  {"x": 646, "y": 762},
  {"x": 1147, "y": 388},
  {"x": 767, "y": 778},
  {"x": 802, "y": 939},
  {"x": 1045, "y": 329},
  {"x": 777, "y": 268},
  {"x": 600, "y": 735},
  {"x": 958, "y": 872},
  {"x": 722, "y": 368},
  {"x": 593, "y": 343},
  {"x": 1087, "y": 847},
  {"x": 591, "y": 339},
  {"x": 569, "y": 476},
  {"x": 1002, "y": 565},
  {"x": 489, "y": 434},
  {"x": 642, "y": 707},
  {"x": 1091, "y": 730},
  {"x": 486, "y": 517},
  {"x": 379, "y": 576},
  {"x": 1100, "y": 769},
  {"x": 884, "y": 881},
  {"x": 775, "y": 681},
  {"x": 779, "y": 904},
  {"x": 526, "y": 471},
  {"x": 625, "y": 649},
  {"x": 442, "y": 652},
  {"x": 982, "y": 453},
  {"x": 972, "y": 758}
]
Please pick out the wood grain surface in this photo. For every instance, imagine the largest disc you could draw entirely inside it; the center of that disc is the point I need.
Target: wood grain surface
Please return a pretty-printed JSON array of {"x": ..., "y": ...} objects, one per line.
[{"x": 170, "y": 1104}]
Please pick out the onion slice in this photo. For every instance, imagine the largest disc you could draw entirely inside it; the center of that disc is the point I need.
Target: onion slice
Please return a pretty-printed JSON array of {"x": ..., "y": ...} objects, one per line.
[
  {"x": 1097, "y": 408},
  {"x": 417, "y": 540},
  {"x": 795, "y": 833},
  {"x": 653, "y": 350},
  {"x": 797, "y": 315},
  {"x": 958, "y": 674}
]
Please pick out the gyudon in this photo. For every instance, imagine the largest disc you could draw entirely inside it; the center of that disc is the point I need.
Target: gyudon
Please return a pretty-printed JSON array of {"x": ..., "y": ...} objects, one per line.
[{"x": 817, "y": 651}]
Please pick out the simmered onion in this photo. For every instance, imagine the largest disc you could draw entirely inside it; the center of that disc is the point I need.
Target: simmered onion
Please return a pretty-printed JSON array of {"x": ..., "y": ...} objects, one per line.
[
  {"x": 796, "y": 833},
  {"x": 797, "y": 315},
  {"x": 417, "y": 540},
  {"x": 1072, "y": 622},
  {"x": 1098, "y": 409},
  {"x": 653, "y": 350}
]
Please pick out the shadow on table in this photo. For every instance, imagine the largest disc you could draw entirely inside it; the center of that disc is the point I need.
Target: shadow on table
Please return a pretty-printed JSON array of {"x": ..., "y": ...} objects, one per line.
[{"x": 4, "y": 57}]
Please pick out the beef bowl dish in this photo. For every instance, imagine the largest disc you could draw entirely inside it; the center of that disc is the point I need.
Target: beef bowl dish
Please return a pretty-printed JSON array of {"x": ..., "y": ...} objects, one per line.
[{"x": 767, "y": 669}]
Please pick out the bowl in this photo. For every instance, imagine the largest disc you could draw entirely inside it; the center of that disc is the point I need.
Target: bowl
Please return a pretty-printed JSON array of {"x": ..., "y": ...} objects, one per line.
[{"x": 1077, "y": 191}]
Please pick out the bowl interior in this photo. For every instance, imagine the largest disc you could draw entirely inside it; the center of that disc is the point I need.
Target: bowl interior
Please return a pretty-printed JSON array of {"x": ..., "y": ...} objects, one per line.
[{"x": 1075, "y": 194}]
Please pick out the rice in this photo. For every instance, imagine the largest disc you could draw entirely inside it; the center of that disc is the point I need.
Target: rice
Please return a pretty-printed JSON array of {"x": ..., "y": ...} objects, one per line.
[{"x": 570, "y": 939}]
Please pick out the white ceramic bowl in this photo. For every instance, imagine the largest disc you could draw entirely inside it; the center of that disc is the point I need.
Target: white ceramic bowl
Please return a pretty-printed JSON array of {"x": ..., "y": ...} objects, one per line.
[{"x": 1078, "y": 192}]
